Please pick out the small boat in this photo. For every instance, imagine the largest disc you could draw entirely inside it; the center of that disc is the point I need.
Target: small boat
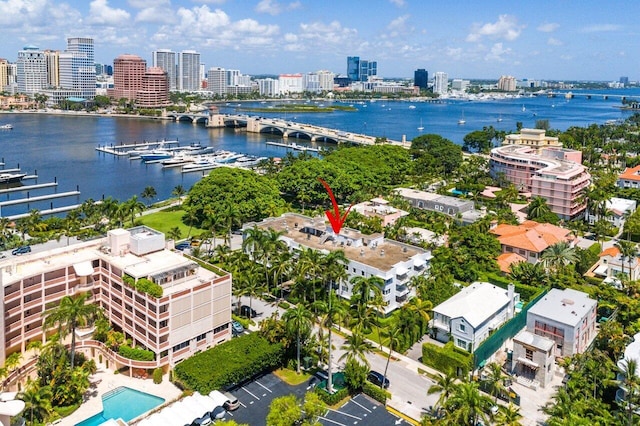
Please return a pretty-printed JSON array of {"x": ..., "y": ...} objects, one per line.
[
  {"x": 11, "y": 177},
  {"x": 6, "y": 127},
  {"x": 523, "y": 108},
  {"x": 421, "y": 127},
  {"x": 499, "y": 118},
  {"x": 462, "y": 120},
  {"x": 156, "y": 155},
  {"x": 412, "y": 107}
]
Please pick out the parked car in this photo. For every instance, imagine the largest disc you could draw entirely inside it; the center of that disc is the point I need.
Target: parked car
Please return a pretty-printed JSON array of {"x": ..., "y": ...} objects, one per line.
[
  {"x": 232, "y": 402},
  {"x": 218, "y": 413},
  {"x": 377, "y": 378},
  {"x": 248, "y": 312},
  {"x": 21, "y": 250},
  {"x": 236, "y": 328},
  {"x": 183, "y": 245}
]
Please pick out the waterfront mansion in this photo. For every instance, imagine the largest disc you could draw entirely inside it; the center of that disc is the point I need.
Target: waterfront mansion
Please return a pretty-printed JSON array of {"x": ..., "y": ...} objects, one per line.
[{"x": 192, "y": 314}]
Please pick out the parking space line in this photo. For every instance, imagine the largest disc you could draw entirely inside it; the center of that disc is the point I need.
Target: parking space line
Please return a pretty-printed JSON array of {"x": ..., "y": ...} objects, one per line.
[
  {"x": 258, "y": 383},
  {"x": 250, "y": 393},
  {"x": 360, "y": 405},
  {"x": 344, "y": 414},
  {"x": 332, "y": 421},
  {"x": 242, "y": 404}
]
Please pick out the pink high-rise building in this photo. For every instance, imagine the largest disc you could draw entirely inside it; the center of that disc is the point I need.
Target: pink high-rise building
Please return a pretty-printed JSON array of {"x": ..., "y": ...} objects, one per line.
[
  {"x": 155, "y": 89},
  {"x": 128, "y": 74}
]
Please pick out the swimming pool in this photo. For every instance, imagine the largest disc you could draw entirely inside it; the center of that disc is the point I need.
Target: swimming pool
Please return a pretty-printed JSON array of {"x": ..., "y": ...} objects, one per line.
[{"x": 123, "y": 403}]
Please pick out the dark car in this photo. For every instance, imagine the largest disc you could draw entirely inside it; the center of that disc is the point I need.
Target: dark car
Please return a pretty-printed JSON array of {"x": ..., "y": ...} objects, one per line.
[
  {"x": 182, "y": 246},
  {"x": 218, "y": 413},
  {"x": 377, "y": 378},
  {"x": 21, "y": 250},
  {"x": 248, "y": 312},
  {"x": 236, "y": 327}
]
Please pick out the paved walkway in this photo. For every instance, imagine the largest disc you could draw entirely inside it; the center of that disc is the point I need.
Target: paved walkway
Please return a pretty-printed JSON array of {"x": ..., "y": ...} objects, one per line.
[{"x": 105, "y": 380}]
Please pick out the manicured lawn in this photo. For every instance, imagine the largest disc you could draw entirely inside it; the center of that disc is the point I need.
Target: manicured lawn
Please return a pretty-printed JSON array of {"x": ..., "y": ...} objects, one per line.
[
  {"x": 290, "y": 377},
  {"x": 166, "y": 220}
]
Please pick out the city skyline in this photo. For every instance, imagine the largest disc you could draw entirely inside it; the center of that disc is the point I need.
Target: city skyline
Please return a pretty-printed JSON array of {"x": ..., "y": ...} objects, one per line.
[{"x": 570, "y": 40}]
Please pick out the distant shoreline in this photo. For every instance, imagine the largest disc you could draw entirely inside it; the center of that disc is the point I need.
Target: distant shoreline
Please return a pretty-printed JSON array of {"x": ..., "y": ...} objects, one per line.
[{"x": 84, "y": 114}]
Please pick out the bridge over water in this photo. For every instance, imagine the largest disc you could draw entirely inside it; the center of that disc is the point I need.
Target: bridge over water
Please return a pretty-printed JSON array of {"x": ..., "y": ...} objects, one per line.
[
  {"x": 283, "y": 128},
  {"x": 570, "y": 95}
]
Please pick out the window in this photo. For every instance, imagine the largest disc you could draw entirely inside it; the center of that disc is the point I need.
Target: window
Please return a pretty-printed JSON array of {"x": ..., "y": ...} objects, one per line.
[
  {"x": 201, "y": 337},
  {"x": 164, "y": 323},
  {"x": 181, "y": 346},
  {"x": 220, "y": 328},
  {"x": 462, "y": 327},
  {"x": 461, "y": 344},
  {"x": 386, "y": 291},
  {"x": 529, "y": 354}
]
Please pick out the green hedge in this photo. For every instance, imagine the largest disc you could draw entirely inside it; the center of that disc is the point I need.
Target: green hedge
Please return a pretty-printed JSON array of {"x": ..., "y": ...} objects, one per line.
[
  {"x": 136, "y": 354},
  {"x": 446, "y": 358},
  {"x": 143, "y": 285},
  {"x": 332, "y": 398},
  {"x": 375, "y": 392},
  {"x": 231, "y": 362},
  {"x": 527, "y": 292}
]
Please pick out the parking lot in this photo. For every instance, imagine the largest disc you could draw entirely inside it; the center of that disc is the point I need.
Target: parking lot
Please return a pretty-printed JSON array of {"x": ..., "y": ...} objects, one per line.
[{"x": 255, "y": 397}]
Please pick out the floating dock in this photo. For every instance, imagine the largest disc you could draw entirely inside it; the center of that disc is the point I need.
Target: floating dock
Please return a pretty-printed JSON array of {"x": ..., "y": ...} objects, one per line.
[
  {"x": 38, "y": 198},
  {"x": 122, "y": 149}
]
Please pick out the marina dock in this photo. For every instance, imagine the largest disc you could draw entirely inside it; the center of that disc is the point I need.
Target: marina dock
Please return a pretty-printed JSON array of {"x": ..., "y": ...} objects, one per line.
[
  {"x": 123, "y": 149},
  {"x": 293, "y": 146},
  {"x": 27, "y": 187},
  {"x": 38, "y": 198}
]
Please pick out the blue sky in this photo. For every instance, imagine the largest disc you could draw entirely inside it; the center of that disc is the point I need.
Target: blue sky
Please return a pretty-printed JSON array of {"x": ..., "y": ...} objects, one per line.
[{"x": 561, "y": 39}]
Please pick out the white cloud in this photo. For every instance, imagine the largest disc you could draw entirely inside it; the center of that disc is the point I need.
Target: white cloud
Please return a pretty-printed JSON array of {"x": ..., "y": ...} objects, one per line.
[
  {"x": 600, "y": 28},
  {"x": 156, "y": 14},
  {"x": 454, "y": 52},
  {"x": 100, "y": 13},
  {"x": 254, "y": 27},
  {"x": 554, "y": 42},
  {"x": 506, "y": 27},
  {"x": 200, "y": 21},
  {"x": 398, "y": 3},
  {"x": 399, "y": 23},
  {"x": 497, "y": 53},
  {"x": 144, "y": 4},
  {"x": 548, "y": 27},
  {"x": 274, "y": 8}
]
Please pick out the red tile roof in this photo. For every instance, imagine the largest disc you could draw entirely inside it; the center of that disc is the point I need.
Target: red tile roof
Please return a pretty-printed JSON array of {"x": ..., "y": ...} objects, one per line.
[
  {"x": 531, "y": 236},
  {"x": 632, "y": 173},
  {"x": 506, "y": 259}
]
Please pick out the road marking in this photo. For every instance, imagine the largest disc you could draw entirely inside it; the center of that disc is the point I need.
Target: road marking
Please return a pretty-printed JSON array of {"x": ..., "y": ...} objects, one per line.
[
  {"x": 242, "y": 404},
  {"x": 345, "y": 414},
  {"x": 266, "y": 388},
  {"x": 360, "y": 405},
  {"x": 331, "y": 421},
  {"x": 247, "y": 391}
]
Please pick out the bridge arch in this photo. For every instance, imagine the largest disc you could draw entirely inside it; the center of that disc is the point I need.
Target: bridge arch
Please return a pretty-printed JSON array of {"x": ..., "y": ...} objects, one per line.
[
  {"x": 298, "y": 135},
  {"x": 184, "y": 118},
  {"x": 272, "y": 130},
  {"x": 202, "y": 120}
]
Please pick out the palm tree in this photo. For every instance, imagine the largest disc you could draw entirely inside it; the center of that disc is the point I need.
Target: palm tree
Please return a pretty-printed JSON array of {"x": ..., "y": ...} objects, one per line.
[
  {"x": 445, "y": 385},
  {"x": 628, "y": 251},
  {"x": 37, "y": 401},
  {"x": 133, "y": 206},
  {"x": 282, "y": 267},
  {"x": 231, "y": 216},
  {"x": 149, "y": 193},
  {"x": 422, "y": 310},
  {"x": 72, "y": 312},
  {"x": 179, "y": 192},
  {"x": 495, "y": 379},
  {"x": 366, "y": 289},
  {"x": 631, "y": 382},
  {"x": 308, "y": 269},
  {"x": 394, "y": 335},
  {"x": 508, "y": 416},
  {"x": 298, "y": 320},
  {"x": 333, "y": 312},
  {"x": 174, "y": 233},
  {"x": 557, "y": 256},
  {"x": 251, "y": 283},
  {"x": 467, "y": 406},
  {"x": 356, "y": 347},
  {"x": 538, "y": 208}
]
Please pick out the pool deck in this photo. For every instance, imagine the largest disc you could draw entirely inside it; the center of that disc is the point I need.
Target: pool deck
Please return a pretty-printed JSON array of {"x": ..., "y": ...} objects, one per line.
[{"x": 104, "y": 381}]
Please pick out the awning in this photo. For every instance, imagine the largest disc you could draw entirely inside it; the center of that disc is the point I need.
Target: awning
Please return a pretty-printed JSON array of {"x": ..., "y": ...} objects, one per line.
[
  {"x": 528, "y": 363},
  {"x": 601, "y": 270},
  {"x": 401, "y": 271},
  {"x": 419, "y": 263},
  {"x": 83, "y": 269}
]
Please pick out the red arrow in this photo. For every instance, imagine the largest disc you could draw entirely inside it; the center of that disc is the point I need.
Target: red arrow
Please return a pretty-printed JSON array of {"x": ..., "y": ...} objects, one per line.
[{"x": 336, "y": 220}]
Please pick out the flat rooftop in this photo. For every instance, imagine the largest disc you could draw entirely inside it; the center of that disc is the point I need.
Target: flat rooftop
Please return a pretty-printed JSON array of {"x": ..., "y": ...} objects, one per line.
[
  {"x": 476, "y": 303},
  {"x": 16, "y": 268},
  {"x": 526, "y": 155},
  {"x": 383, "y": 254},
  {"x": 564, "y": 306},
  {"x": 531, "y": 339}
]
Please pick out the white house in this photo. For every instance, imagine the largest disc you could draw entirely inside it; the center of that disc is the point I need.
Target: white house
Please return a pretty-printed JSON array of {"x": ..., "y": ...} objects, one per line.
[
  {"x": 619, "y": 208},
  {"x": 469, "y": 316}
]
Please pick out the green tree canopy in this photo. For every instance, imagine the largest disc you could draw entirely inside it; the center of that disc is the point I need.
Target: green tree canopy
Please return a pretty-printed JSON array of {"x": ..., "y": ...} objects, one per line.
[{"x": 435, "y": 155}]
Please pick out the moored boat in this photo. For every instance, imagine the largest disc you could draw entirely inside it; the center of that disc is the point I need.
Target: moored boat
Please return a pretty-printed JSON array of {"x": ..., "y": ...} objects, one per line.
[
  {"x": 156, "y": 155},
  {"x": 11, "y": 177},
  {"x": 6, "y": 127}
]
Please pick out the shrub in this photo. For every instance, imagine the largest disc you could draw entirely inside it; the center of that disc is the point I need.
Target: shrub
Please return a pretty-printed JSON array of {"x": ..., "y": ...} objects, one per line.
[
  {"x": 284, "y": 305},
  {"x": 375, "y": 392},
  {"x": 143, "y": 285},
  {"x": 157, "y": 376},
  {"x": 446, "y": 358},
  {"x": 355, "y": 374},
  {"x": 136, "y": 354},
  {"x": 332, "y": 398},
  {"x": 229, "y": 363},
  {"x": 244, "y": 321}
]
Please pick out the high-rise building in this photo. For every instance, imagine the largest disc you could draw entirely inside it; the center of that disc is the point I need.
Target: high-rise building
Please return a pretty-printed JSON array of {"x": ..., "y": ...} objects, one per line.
[
  {"x": 360, "y": 69},
  {"x": 128, "y": 73},
  {"x": 77, "y": 67},
  {"x": 311, "y": 82},
  {"x": 188, "y": 71},
  {"x": 421, "y": 78},
  {"x": 624, "y": 81},
  {"x": 507, "y": 83},
  {"x": 326, "y": 80},
  {"x": 4, "y": 74},
  {"x": 440, "y": 82},
  {"x": 155, "y": 89},
  {"x": 32, "y": 70},
  {"x": 53, "y": 67},
  {"x": 232, "y": 77},
  {"x": 269, "y": 86},
  {"x": 217, "y": 81},
  {"x": 166, "y": 59},
  {"x": 290, "y": 83}
]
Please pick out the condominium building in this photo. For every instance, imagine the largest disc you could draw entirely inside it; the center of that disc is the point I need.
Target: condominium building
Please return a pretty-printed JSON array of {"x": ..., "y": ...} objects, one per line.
[
  {"x": 192, "y": 314},
  {"x": 550, "y": 173},
  {"x": 32, "y": 70},
  {"x": 368, "y": 255},
  {"x": 360, "y": 69},
  {"x": 507, "y": 83},
  {"x": 4, "y": 74},
  {"x": 311, "y": 82},
  {"x": 440, "y": 82},
  {"x": 188, "y": 71},
  {"x": 290, "y": 83},
  {"x": 216, "y": 81},
  {"x": 421, "y": 78},
  {"x": 567, "y": 317},
  {"x": 77, "y": 67},
  {"x": 154, "y": 92},
  {"x": 166, "y": 59},
  {"x": 325, "y": 79},
  {"x": 268, "y": 86},
  {"x": 128, "y": 73},
  {"x": 53, "y": 67}
]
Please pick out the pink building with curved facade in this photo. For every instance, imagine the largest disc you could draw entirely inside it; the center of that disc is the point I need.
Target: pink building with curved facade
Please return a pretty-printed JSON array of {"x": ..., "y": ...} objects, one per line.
[
  {"x": 553, "y": 173},
  {"x": 128, "y": 73}
]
